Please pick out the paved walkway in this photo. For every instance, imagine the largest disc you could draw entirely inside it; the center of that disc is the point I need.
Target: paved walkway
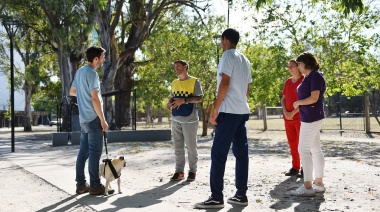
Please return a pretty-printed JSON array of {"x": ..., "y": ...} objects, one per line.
[{"x": 38, "y": 177}]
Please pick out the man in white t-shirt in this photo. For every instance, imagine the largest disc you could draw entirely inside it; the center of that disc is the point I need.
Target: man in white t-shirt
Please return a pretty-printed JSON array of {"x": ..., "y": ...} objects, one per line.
[{"x": 231, "y": 111}]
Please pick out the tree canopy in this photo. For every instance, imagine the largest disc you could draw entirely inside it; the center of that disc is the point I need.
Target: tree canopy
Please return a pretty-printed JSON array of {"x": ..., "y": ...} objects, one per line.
[{"x": 144, "y": 38}]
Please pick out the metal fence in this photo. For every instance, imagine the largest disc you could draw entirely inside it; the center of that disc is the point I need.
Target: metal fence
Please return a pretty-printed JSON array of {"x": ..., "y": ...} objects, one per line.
[
  {"x": 125, "y": 115},
  {"x": 342, "y": 114}
]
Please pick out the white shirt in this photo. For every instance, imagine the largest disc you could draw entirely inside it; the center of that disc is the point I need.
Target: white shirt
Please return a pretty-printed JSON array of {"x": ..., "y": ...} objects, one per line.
[{"x": 237, "y": 66}]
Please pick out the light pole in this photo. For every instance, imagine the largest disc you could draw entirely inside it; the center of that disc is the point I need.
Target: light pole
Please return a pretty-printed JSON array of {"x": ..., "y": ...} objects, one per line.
[
  {"x": 216, "y": 39},
  {"x": 11, "y": 27},
  {"x": 229, "y": 3},
  {"x": 339, "y": 97}
]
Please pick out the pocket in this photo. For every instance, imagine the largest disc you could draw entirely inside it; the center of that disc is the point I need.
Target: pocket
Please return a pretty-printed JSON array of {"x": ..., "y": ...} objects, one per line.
[{"x": 94, "y": 125}]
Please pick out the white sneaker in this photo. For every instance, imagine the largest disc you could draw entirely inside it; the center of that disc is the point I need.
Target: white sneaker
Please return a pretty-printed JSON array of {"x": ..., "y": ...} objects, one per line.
[
  {"x": 303, "y": 192},
  {"x": 319, "y": 188}
]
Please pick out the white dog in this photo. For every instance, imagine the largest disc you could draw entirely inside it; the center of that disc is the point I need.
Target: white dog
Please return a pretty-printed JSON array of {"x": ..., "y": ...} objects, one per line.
[{"x": 118, "y": 163}]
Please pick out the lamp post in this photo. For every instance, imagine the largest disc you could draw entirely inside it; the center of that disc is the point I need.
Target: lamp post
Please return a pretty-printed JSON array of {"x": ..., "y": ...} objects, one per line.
[
  {"x": 216, "y": 39},
  {"x": 229, "y": 3},
  {"x": 11, "y": 27},
  {"x": 339, "y": 97}
]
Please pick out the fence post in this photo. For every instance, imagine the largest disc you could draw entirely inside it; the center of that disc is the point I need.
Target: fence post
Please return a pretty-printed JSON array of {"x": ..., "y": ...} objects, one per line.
[{"x": 366, "y": 112}]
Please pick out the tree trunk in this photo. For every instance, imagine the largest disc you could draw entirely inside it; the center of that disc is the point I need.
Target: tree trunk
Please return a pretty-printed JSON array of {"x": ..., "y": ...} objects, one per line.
[
  {"x": 264, "y": 117},
  {"x": 66, "y": 76},
  {"x": 149, "y": 115},
  {"x": 28, "y": 112},
  {"x": 160, "y": 115},
  {"x": 107, "y": 40},
  {"x": 143, "y": 15},
  {"x": 259, "y": 113},
  {"x": 123, "y": 82}
]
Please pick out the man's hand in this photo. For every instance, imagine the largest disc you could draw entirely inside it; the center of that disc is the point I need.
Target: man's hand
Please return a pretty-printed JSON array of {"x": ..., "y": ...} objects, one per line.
[
  {"x": 178, "y": 102},
  {"x": 288, "y": 115},
  {"x": 168, "y": 105},
  {"x": 104, "y": 125},
  {"x": 213, "y": 117},
  {"x": 296, "y": 104}
]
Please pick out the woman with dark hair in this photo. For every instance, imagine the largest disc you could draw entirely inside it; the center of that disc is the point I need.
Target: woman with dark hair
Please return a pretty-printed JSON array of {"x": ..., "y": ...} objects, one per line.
[{"x": 310, "y": 103}]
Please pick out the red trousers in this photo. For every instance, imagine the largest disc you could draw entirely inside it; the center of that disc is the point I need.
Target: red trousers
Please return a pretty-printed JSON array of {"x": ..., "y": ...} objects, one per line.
[{"x": 292, "y": 128}]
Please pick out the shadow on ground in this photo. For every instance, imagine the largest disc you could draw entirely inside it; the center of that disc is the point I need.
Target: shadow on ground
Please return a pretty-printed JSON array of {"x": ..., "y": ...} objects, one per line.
[
  {"x": 281, "y": 193},
  {"x": 148, "y": 197}
]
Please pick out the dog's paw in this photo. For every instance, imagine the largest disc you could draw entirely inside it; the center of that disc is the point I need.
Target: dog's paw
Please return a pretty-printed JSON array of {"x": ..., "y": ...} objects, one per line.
[{"x": 120, "y": 192}]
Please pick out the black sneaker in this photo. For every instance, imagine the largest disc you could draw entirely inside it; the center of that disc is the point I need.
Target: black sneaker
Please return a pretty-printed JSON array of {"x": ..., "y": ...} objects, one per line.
[
  {"x": 300, "y": 175},
  {"x": 98, "y": 190},
  {"x": 210, "y": 203},
  {"x": 177, "y": 176},
  {"x": 292, "y": 172},
  {"x": 191, "y": 176},
  {"x": 238, "y": 200}
]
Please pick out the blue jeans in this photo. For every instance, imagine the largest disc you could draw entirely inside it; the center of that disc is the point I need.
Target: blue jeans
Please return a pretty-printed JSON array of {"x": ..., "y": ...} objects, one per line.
[
  {"x": 91, "y": 146},
  {"x": 230, "y": 129}
]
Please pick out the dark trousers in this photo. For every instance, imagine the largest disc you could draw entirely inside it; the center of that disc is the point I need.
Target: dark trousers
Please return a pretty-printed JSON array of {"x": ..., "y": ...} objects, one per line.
[{"x": 230, "y": 129}]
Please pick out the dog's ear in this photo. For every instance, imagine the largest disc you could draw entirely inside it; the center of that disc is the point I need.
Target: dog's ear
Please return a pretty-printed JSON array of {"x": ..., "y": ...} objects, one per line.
[{"x": 121, "y": 157}]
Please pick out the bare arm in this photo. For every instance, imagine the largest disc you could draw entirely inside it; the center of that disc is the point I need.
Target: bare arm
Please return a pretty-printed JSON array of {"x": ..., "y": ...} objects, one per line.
[
  {"x": 194, "y": 99},
  {"x": 288, "y": 114},
  {"x": 283, "y": 105},
  {"x": 98, "y": 109},
  {"x": 222, "y": 91},
  {"x": 180, "y": 101},
  {"x": 73, "y": 91}
]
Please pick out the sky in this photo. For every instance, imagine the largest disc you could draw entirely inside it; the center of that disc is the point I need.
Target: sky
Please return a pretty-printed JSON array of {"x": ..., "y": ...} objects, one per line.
[
  {"x": 221, "y": 8},
  {"x": 237, "y": 17}
]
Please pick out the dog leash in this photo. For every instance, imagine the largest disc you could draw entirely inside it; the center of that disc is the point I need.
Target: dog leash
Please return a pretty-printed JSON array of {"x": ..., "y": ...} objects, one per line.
[{"x": 108, "y": 161}]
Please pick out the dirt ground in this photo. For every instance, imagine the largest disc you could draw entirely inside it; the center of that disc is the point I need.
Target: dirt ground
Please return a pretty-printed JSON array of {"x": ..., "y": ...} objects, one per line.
[{"x": 352, "y": 176}]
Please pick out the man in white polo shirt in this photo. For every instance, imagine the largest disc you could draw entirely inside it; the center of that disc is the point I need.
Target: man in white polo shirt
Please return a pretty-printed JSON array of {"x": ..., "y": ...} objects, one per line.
[{"x": 231, "y": 111}]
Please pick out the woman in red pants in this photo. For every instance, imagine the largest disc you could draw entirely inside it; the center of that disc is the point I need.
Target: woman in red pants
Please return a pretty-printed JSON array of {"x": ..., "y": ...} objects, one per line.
[{"x": 291, "y": 115}]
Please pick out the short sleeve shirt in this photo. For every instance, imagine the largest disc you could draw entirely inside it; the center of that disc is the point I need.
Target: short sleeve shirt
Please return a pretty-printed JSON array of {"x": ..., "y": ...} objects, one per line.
[
  {"x": 235, "y": 65},
  {"x": 86, "y": 79},
  {"x": 312, "y": 82},
  {"x": 290, "y": 93}
]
